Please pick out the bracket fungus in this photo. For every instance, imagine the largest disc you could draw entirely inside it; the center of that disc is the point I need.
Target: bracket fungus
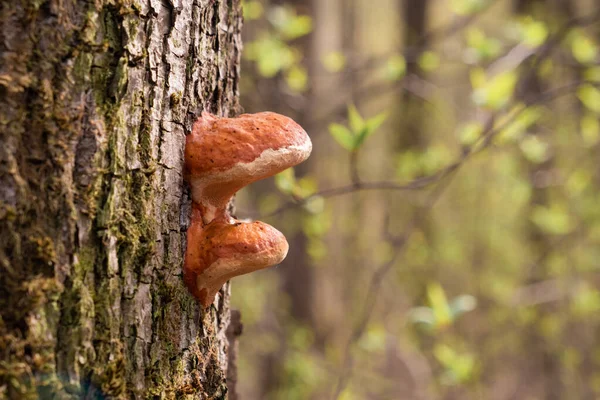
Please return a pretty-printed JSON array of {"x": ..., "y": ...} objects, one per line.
[{"x": 222, "y": 155}]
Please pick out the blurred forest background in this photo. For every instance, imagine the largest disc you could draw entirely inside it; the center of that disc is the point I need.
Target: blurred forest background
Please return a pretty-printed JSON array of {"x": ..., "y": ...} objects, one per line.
[{"x": 445, "y": 233}]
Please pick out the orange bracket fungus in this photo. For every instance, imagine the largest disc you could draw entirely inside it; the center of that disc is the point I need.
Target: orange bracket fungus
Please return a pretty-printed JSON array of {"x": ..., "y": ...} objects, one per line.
[{"x": 222, "y": 155}]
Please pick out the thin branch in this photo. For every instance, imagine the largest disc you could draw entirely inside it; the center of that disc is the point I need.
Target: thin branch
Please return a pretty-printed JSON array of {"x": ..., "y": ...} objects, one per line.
[
  {"x": 454, "y": 27},
  {"x": 489, "y": 132},
  {"x": 546, "y": 50},
  {"x": 353, "y": 167},
  {"x": 416, "y": 184}
]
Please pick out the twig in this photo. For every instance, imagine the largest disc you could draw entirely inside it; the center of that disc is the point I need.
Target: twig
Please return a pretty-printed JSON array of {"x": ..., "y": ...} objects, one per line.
[
  {"x": 544, "y": 51},
  {"x": 489, "y": 132},
  {"x": 353, "y": 167},
  {"x": 454, "y": 27}
]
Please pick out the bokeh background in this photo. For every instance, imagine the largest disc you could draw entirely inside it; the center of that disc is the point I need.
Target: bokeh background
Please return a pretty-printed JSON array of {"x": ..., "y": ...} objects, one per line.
[{"x": 445, "y": 233}]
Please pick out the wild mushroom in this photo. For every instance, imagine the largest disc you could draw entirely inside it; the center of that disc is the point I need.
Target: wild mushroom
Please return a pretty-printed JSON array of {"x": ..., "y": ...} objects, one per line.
[{"x": 222, "y": 155}]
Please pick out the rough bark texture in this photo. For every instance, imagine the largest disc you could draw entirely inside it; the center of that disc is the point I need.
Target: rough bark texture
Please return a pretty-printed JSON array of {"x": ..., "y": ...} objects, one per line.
[
  {"x": 233, "y": 333},
  {"x": 95, "y": 100}
]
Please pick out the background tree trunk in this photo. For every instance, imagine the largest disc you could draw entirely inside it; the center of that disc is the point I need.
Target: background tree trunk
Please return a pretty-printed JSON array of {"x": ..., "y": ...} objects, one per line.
[
  {"x": 543, "y": 353},
  {"x": 95, "y": 100}
]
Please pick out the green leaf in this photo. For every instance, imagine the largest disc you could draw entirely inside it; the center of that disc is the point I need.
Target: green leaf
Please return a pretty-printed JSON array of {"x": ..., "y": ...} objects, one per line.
[
  {"x": 434, "y": 158},
  {"x": 315, "y": 205},
  {"x": 252, "y": 10},
  {"x": 271, "y": 55},
  {"x": 578, "y": 181},
  {"x": 470, "y": 133},
  {"x": 316, "y": 225},
  {"x": 554, "y": 219},
  {"x": 477, "y": 77},
  {"x": 586, "y": 302},
  {"x": 534, "y": 33},
  {"x": 288, "y": 23},
  {"x": 374, "y": 338},
  {"x": 355, "y": 121},
  {"x": 395, "y": 67},
  {"x": 590, "y": 97},
  {"x": 463, "y": 367},
  {"x": 439, "y": 304},
  {"x": 475, "y": 37},
  {"x": 520, "y": 124},
  {"x": 286, "y": 181},
  {"x": 369, "y": 128},
  {"x": 342, "y": 135},
  {"x": 375, "y": 122},
  {"x": 534, "y": 149},
  {"x": 334, "y": 61},
  {"x": 481, "y": 47},
  {"x": 422, "y": 315},
  {"x": 429, "y": 61},
  {"x": 459, "y": 367},
  {"x": 445, "y": 354},
  {"x": 584, "y": 49},
  {"x": 497, "y": 92},
  {"x": 297, "y": 78},
  {"x": 298, "y": 27},
  {"x": 592, "y": 74},
  {"x": 467, "y": 7},
  {"x": 408, "y": 165},
  {"x": 462, "y": 304},
  {"x": 305, "y": 187},
  {"x": 590, "y": 129},
  {"x": 348, "y": 394}
]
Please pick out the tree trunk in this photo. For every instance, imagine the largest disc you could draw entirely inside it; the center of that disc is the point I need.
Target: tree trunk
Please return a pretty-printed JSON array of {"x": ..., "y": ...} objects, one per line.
[
  {"x": 411, "y": 114},
  {"x": 543, "y": 353},
  {"x": 95, "y": 100}
]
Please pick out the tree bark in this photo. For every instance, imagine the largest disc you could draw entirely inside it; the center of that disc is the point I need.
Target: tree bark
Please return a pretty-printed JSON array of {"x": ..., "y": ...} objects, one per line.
[{"x": 95, "y": 100}]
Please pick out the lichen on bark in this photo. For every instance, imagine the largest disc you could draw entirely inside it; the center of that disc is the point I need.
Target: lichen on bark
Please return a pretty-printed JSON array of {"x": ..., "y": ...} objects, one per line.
[{"x": 95, "y": 101}]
